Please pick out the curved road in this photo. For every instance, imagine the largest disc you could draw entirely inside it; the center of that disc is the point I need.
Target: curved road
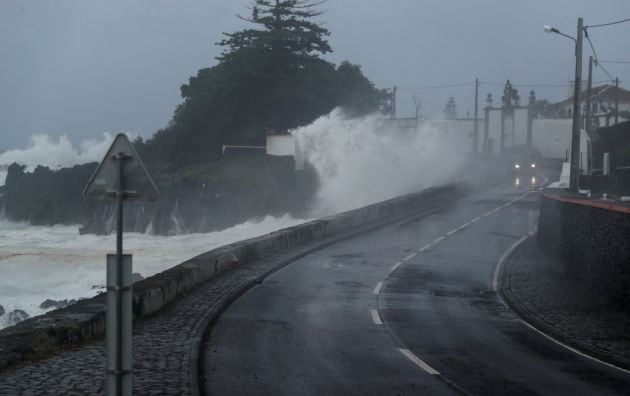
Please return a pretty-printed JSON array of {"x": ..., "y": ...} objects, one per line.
[{"x": 407, "y": 309}]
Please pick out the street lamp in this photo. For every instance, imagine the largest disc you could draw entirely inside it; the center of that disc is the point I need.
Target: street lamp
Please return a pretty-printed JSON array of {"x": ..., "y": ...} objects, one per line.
[{"x": 575, "y": 129}]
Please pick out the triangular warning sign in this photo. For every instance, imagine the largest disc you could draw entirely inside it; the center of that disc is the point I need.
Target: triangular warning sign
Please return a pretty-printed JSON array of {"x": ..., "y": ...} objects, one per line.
[{"x": 136, "y": 182}]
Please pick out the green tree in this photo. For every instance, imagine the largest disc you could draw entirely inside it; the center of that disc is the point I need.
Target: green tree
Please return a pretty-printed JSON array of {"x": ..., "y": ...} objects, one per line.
[
  {"x": 450, "y": 110},
  {"x": 269, "y": 77}
]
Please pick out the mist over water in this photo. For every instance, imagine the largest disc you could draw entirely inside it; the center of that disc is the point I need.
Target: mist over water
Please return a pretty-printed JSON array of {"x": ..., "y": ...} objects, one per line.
[
  {"x": 359, "y": 161},
  {"x": 55, "y": 153}
]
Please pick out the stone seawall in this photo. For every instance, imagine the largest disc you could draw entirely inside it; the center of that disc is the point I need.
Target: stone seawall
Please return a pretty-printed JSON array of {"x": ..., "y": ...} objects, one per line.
[
  {"x": 44, "y": 335},
  {"x": 590, "y": 238}
]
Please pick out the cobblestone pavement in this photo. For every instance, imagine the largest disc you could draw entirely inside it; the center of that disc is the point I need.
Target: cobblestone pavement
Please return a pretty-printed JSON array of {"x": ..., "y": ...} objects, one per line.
[
  {"x": 537, "y": 288},
  {"x": 166, "y": 345}
]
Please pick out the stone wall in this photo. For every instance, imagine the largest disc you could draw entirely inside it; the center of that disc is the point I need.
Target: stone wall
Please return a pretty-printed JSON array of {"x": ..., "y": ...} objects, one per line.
[{"x": 591, "y": 240}]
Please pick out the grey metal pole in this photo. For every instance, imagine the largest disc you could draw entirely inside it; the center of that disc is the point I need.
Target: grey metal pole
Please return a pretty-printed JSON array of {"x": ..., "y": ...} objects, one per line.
[
  {"x": 394, "y": 102},
  {"x": 476, "y": 127},
  {"x": 589, "y": 87},
  {"x": 486, "y": 131},
  {"x": 574, "y": 178},
  {"x": 616, "y": 101},
  {"x": 119, "y": 264}
]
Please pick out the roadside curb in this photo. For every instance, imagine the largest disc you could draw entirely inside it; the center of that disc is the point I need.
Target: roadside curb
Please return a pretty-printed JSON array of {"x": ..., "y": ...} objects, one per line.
[{"x": 546, "y": 329}]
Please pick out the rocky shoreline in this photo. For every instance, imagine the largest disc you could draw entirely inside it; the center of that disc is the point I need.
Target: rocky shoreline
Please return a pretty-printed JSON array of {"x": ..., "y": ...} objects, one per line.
[{"x": 203, "y": 199}]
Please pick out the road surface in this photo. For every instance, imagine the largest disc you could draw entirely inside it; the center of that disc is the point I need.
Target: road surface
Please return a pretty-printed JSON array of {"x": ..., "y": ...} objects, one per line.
[{"x": 407, "y": 309}]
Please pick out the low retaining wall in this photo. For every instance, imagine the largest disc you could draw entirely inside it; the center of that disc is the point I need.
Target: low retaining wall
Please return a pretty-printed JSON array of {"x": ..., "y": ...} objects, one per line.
[
  {"x": 590, "y": 238},
  {"x": 42, "y": 336}
]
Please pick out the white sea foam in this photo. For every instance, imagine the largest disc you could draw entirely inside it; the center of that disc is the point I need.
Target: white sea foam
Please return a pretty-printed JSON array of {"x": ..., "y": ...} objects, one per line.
[
  {"x": 55, "y": 153},
  {"x": 39, "y": 263}
]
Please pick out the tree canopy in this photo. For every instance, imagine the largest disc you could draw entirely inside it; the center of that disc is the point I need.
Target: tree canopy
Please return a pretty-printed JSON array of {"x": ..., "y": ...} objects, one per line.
[
  {"x": 450, "y": 110},
  {"x": 269, "y": 78}
]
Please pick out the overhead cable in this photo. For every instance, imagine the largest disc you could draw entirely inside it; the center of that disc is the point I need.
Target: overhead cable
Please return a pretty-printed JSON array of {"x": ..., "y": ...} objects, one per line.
[
  {"x": 437, "y": 86},
  {"x": 608, "y": 24}
]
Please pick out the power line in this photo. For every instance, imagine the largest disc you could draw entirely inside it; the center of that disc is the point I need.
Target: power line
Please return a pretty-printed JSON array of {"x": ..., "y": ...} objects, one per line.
[
  {"x": 605, "y": 71},
  {"x": 595, "y": 55},
  {"x": 438, "y": 86},
  {"x": 609, "y": 61},
  {"x": 537, "y": 85},
  {"x": 608, "y": 24},
  {"x": 591, "y": 44}
]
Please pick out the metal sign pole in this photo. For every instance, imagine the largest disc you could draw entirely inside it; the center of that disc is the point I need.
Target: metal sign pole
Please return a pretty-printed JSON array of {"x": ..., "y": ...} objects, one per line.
[
  {"x": 119, "y": 252},
  {"x": 121, "y": 175}
]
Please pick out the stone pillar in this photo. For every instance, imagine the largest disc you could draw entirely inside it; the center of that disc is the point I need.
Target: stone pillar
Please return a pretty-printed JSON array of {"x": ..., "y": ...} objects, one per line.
[{"x": 532, "y": 114}]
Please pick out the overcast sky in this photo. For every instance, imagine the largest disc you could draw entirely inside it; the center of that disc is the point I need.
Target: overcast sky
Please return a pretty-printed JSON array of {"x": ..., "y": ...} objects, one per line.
[{"x": 84, "y": 67}]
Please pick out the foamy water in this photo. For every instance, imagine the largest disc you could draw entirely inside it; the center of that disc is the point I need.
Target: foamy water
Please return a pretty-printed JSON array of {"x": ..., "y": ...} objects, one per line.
[
  {"x": 39, "y": 263},
  {"x": 359, "y": 162}
]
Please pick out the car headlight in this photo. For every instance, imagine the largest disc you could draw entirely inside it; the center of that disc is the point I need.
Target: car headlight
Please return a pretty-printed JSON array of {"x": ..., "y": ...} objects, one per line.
[
  {"x": 517, "y": 166},
  {"x": 533, "y": 165}
]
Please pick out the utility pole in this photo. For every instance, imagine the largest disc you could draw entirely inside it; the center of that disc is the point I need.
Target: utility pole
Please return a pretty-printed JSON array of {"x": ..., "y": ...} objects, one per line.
[
  {"x": 616, "y": 100},
  {"x": 589, "y": 87},
  {"x": 476, "y": 125},
  {"x": 574, "y": 177},
  {"x": 394, "y": 102}
]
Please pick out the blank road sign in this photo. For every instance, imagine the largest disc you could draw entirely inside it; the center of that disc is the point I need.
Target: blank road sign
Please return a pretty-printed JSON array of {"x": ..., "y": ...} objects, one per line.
[{"x": 137, "y": 184}]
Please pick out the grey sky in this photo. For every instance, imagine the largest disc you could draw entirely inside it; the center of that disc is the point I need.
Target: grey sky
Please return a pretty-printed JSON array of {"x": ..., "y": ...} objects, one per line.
[{"x": 83, "y": 67}]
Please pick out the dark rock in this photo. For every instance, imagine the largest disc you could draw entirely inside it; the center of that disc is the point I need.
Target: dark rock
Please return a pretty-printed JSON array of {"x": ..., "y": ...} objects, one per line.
[
  {"x": 16, "y": 316},
  {"x": 56, "y": 304},
  {"x": 2, "y": 311},
  {"x": 136, "y": 277},
  {"x": 206, "y": 198}
]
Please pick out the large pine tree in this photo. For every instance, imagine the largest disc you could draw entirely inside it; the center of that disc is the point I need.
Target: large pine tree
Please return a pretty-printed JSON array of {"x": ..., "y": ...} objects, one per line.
[{"x": 269, "y": 77}]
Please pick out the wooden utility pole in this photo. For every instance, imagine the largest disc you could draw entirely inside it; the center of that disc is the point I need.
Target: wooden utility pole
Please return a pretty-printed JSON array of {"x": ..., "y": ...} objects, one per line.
[
  {"x": 476, "y": 125},
  {"x": 589, "y": 87},
  {"x": 616, "y": 101},
  {"x": 394, "y": 102},
  {"x": 574, "y": 175}
]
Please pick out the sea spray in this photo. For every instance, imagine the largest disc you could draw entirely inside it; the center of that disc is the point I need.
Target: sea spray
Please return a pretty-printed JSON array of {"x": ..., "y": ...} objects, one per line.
[
  {"x": 46, "y": 151},
  {"x": 362, "y": 161}
]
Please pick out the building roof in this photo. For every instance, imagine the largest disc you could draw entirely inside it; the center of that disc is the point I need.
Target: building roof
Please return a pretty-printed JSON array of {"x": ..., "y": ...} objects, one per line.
[{"x": 602, "y": 93}]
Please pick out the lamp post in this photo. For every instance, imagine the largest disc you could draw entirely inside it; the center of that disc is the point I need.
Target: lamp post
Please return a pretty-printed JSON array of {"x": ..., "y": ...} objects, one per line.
[{"x": 575, "y": 130}]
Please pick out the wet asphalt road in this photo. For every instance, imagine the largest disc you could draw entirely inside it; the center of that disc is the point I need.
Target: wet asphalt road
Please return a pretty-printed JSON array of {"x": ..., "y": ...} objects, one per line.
[{"x": 407, "y": 309}]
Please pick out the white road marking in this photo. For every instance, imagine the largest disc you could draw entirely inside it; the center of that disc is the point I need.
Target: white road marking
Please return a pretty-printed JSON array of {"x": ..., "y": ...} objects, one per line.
[
  {"x": 487, "y": 214},
  {"x": 430, "y": 370},
  {"x": 573, "y": 349},
  {"x": 377, "y": 288},
  {"x": 475, "y": 219},
  {"x": 412, "y": 255},
  {"x": 451, "y": 232},
  {"x": 375, "y": 317},
  {"x": 396, "y": 266},
  {"x": 461, "y": 227},
  {"x": 497, "y": 269},
  {"x": 497, "y": 209},
  {"x": 425, "y": 247},
  {"x": 440, "y": 239}
]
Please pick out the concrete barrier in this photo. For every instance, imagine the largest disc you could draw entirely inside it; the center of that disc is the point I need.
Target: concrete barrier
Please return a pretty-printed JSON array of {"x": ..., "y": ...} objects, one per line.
[
  {"x": 44, "y": 335},
  {"x": 590, "y": 238}
]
